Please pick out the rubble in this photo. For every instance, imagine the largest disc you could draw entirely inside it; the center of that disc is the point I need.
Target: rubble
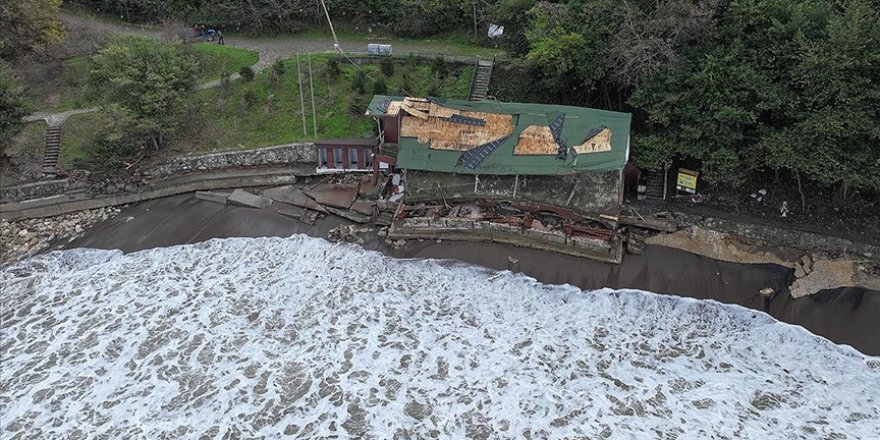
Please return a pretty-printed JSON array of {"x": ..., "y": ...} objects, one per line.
[
  {"x": 347, "y": 233},
  {"x": 24, "y": 238}
]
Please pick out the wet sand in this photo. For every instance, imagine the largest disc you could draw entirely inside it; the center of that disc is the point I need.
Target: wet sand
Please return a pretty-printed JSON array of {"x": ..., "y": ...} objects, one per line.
[{"x": 846, "y": 316}]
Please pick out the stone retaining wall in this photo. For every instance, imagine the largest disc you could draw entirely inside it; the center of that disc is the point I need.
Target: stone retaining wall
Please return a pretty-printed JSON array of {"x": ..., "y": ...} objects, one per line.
[
  {"x": 36, "y": 190},
  {"x": 297, "y": 153},
  {"x": 103, "y": 184}
]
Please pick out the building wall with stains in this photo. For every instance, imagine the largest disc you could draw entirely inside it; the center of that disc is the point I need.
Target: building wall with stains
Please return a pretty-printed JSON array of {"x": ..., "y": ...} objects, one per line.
[{"x": 588, "y": 193}]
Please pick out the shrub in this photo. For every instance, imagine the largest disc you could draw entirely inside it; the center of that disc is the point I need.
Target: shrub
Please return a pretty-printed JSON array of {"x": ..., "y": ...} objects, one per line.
[
  {"x": 246, "y": 73},
  {"x": 387, "y": 67},
  {"x": 358, "y": 81},
  {"x": 439, "y": 66},
  {"x": 434, "y": 89},
  {"x": 406, "y": 82},
  {"x": 278, "y": 68},
  {"x": 333, "y": 68},
  {"x": 412, "y": 61},
  {"x": 249, "y": 98},
  {"x": 379, "y": 87},
  {"x": 357, "y": 105}
]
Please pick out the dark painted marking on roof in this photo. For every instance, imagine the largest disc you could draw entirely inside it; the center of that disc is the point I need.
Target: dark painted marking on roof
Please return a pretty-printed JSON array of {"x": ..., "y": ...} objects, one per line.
[
  {"x": 556, "y": 126},
  {"x": 593, "y": 132},
  {"x": 467, "y": 120},
  {"x": 384, "y": 105},
  {"x": 472, "y": 159}
]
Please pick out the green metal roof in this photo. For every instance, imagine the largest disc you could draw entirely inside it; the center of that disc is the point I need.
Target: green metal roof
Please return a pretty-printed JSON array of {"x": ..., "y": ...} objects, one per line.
[{"x": 578, "y": 123}]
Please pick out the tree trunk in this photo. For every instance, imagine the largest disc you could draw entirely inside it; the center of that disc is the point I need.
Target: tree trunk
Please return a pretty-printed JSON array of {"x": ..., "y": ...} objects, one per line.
[{"x": 801, "y": 191}]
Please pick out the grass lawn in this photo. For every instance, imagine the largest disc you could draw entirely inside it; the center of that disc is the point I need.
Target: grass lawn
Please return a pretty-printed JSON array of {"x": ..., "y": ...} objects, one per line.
[
  {"x": 253, "y": 114},
  {"x": 213, "y": 58},
  {"x": 79, "y": 136},
  {"x": 55, "y": 85},
  {"x": 61, "y": 85},
  {"x": 26, "y": 153},
  {"x": 262, "y": 113}
]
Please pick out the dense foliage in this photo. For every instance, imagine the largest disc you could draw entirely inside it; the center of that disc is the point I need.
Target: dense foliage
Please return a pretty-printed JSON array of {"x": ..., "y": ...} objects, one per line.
[
  {"x": 740, "y": 86},
  {"x": 28, "y": 25},
  {"x": 143, "y": 86},
  {"x": 12, "y": 107}
]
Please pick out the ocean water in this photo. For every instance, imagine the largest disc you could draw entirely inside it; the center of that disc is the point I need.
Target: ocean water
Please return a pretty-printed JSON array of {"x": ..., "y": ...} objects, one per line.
[{"x": 267, "y": 337}]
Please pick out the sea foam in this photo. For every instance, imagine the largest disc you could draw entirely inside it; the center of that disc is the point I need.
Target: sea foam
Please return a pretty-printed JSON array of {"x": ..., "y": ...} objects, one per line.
[{"x": 267, "y": 337}]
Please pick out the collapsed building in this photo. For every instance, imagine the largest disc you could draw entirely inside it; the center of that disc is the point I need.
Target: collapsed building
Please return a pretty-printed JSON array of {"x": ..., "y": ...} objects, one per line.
[{"x": 542, "y": 176}]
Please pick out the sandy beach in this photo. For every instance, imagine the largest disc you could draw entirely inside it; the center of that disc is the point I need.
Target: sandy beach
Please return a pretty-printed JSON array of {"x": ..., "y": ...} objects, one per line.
[{"x": 845, "y": 316}]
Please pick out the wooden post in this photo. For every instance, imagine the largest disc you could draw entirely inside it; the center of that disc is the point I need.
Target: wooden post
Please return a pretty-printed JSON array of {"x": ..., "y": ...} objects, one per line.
[
  {"x": 665, "y": 176},
  {"x": 302, "y": 103},
  {"x": 312, "y": 88},
  {"x": 515, "y": 185}
]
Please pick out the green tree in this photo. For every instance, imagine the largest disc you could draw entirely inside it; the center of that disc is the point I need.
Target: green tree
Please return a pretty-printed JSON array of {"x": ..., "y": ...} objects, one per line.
[
  {"x": 12, "y": 107},
  {"x": 144, "y": 82},
  {"x": 28, "y": 25},
  {"x": 359, "y": 81}
]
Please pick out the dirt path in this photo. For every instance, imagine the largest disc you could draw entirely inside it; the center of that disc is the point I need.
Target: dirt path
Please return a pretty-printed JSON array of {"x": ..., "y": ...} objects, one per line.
[{"x": 270, "y": 49}]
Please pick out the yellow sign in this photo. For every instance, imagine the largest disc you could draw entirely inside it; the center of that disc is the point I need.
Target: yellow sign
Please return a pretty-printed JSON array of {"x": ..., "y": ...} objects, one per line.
[{"x": 687, "y": 180}]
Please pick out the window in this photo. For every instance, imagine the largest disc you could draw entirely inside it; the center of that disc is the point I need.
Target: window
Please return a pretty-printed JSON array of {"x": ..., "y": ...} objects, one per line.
[
  {"x": 322, "y": 157},
  {"x": 353, "y": 158},
  {"x": 368, "y": 158},
  {"x": 337, "y": 157}
]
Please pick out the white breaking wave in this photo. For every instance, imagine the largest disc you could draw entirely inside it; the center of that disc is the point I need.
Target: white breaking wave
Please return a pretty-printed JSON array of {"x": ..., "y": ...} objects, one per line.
[{"x": 266, "y": 337}]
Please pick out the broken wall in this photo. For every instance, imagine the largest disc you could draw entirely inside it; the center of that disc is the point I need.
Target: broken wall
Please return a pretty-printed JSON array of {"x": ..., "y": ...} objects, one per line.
[{"x": 588, "y": 193}]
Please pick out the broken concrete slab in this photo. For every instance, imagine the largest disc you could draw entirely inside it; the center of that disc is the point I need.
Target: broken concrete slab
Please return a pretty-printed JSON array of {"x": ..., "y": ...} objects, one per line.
[
  {"x": 294, "y": 196},
  {"x": 306, "y": 216},
  {"x": 211, "y": 196},
  {"x": 241, "y": 197},
  {"x": 337, "y": 195},
  {"x": 364, "y": 207},
  {"x": 289, "y": 210},
  {"x": 350, "y": 215}
]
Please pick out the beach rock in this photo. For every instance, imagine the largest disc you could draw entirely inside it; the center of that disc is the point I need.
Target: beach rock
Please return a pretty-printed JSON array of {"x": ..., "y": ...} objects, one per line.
[
  {"x": 799, "y": 272},
  {"x": 767, "y": 291},
  {"x": 24, "y": 238},
  {"x": 241, "y": 197}
]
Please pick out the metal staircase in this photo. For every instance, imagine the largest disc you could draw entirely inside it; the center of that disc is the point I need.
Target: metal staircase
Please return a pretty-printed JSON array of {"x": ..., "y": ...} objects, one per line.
[{"x": 480, "y": 84}]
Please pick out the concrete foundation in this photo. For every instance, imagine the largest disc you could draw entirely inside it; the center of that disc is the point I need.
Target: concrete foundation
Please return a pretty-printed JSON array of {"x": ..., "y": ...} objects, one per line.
[
  {"x": 589, "y": 194},
  {"x": 469, "y": 230}
]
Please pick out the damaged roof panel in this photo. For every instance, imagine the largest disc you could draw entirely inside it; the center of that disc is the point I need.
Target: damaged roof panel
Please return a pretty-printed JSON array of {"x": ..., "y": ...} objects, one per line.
[{"x": 436, "y": 138}]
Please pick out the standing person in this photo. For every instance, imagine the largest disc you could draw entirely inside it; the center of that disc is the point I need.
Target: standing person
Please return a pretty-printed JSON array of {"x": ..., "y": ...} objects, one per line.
[{"x": 220, "y": 37}]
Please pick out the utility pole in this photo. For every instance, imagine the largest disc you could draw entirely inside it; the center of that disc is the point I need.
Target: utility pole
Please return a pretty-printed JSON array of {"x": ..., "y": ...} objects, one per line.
[
  {"x": 302, "y": 103},
  {"x": 312, "y": 87},
  {"x": 476, "y": 35}
]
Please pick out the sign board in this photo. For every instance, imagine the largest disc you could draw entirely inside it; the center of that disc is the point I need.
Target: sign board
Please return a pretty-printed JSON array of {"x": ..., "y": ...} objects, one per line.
[{"x": 687, "y": 180}]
